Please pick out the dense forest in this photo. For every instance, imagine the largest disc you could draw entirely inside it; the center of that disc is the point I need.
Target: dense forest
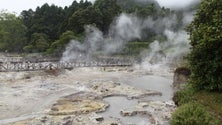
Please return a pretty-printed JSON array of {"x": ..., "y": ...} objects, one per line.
[{"x": 48, "y": 28}]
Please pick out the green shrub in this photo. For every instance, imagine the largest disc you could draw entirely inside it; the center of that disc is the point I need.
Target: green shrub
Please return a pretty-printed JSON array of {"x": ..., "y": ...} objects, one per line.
[
  {"x": 192, "y": 114},
  {"x": 184, "y": 96},
  {"x": 206, "y": 41}
]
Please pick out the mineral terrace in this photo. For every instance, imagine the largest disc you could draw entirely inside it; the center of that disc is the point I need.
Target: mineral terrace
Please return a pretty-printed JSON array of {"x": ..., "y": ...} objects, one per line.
[{"x": 77, "y": 97}]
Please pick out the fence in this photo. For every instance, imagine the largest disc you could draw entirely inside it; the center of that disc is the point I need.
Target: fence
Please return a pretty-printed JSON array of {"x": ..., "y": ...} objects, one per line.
[{"x": 27, "y": 66}]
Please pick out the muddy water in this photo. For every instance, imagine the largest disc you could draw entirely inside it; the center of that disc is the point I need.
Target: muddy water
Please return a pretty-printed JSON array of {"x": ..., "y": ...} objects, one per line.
[
  {"x": 150, "y": 82},
  {"x": 117, "y": 104}
]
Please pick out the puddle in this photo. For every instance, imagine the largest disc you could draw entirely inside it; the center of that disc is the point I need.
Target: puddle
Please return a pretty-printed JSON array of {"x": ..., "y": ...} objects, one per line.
[
  {"x": 149, "y": 82},
  {"x": 157, "y": 83},
  {"x": 118, "y": 103}
]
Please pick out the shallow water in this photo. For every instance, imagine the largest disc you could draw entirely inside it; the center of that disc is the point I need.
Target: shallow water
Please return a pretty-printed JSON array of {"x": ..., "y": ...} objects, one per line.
[
  {"x": 118, "y": 103},
  {"x": 158, "y": 83},
  {"x": 148, "y": 82}
]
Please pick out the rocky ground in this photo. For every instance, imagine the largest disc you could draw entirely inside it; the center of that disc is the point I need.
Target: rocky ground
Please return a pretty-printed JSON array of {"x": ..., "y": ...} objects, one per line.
[{"x": 76, "y": 97}]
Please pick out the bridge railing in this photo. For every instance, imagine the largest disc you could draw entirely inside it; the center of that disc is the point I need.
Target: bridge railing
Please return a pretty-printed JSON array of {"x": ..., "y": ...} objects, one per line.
[{"x": 27, "y": 66}]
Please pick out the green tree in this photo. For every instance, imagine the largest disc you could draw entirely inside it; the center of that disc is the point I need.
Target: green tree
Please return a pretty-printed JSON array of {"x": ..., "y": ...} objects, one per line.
[
  {"x": 12, "y": 33},
  {"x": 146, "y": 11},
  {"x": 109, "y": 9},
  {"x": 129, "y": 4},
  {"x": 84, "y": 17},
  {"x": 26, "y": 17},
  {"x": 69, "y": 11},
  {"x": 46, "y": 19},
  {"x": 58, "y": 46},
  {"x": 206, "y": 40},
  {"x": 39, "y": 43}
]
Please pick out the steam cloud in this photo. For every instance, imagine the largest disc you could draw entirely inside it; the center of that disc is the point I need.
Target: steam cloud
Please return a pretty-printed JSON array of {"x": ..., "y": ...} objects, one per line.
[
  {"x": 124, "y": 29},
  {"x": 162, "y": 54},
  {"x": 128, "y": 27}
]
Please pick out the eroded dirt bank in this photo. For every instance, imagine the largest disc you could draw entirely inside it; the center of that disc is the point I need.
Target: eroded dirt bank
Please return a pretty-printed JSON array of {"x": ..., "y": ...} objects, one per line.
[{"x": 82, "y": 97}]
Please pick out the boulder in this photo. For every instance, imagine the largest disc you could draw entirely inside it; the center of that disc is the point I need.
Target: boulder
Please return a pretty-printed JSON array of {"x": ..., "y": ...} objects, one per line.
[{"x": 181, "y": 76}]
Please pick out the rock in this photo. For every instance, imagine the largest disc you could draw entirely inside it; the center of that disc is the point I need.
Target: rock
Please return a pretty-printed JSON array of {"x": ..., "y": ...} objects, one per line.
[
  {"x": 53, "y": 72},
  {"x": 99, "y": 119},
  {"x": 107, "y": 89},
  {"x": 23, "y": 122},
  {"x": 78, "y": 103},
  {"x": 44, "y": 119},
  {"x": 68, "y": 122},
  {"x": 130, "y": 70},
  {"x": 157, "y": 112},
  {"x": 128, "y": 113},
  {"x": 27, "y": 77},
  {"x": 181, "y": 76}
]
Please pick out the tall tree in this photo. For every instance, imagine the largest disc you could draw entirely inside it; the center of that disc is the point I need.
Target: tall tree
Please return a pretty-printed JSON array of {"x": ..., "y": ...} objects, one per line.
[
  {"x": 58, "y": 46},
  {"x": 109, "y": 9},
  {"x": 206, "y": 41},
  {"x": 82, "y": 17},
  {"x": 26, "y": 17},
  {"x": 69, "y": 11},
  {"x": 47, "y": 19},
  {"x": 12, "y": 33},
  {"x": 39, "y": 43}
]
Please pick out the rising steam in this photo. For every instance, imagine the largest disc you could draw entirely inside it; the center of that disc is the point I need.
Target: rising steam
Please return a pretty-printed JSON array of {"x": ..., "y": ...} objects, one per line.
[
  {"x": 124, "y": 29},
  {"x": 163, "y": 54},
  {"x": 128, "y": 27}
]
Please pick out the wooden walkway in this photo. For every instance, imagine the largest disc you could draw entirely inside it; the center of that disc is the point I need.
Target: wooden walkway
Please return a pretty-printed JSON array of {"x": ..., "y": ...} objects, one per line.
[{"x": 27, "y": 66}]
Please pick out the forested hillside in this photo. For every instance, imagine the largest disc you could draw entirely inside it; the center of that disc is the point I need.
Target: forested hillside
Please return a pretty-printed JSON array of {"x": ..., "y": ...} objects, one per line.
[{"x": 49, "y": 28}]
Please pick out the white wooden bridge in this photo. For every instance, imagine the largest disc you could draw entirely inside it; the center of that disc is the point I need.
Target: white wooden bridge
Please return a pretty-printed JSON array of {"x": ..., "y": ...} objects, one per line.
[{"x": 16, "y": 65}]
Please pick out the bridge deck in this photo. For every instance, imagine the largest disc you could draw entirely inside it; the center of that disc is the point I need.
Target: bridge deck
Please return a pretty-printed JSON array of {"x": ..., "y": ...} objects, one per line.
[{"x": 10, "y": 67}]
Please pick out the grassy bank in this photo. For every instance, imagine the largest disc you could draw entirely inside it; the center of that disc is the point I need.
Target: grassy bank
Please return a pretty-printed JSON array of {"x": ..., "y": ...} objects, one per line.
[{"x": 209, "y": 103}]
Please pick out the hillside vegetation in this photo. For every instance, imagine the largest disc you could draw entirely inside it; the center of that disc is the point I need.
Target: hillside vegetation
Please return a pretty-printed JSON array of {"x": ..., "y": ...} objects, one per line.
[
  {"x": 49, "y": 28},
  {"x": 203, "y": 93}
]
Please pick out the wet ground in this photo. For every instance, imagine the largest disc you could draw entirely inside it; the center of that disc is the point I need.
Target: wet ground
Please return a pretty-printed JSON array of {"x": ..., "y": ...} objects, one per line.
[{"x": 85, "y": 96}]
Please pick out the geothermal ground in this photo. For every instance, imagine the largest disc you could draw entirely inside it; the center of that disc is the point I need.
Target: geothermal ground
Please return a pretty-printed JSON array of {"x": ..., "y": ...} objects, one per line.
[{"x": 85, "y": 96}]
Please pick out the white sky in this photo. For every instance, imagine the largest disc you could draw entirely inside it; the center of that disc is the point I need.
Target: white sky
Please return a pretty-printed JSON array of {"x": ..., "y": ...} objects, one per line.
[{"x": 19, "y": 5}]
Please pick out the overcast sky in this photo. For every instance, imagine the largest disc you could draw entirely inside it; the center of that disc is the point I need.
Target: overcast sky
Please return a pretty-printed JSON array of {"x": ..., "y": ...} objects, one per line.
[{"x": 19, "y": 5}]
